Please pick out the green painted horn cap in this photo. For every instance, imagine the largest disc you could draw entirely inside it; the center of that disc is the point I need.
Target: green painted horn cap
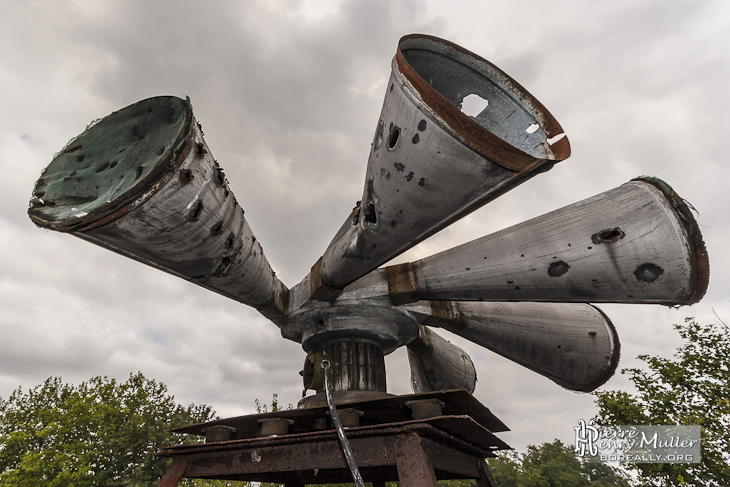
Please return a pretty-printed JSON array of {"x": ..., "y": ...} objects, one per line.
[{"x": 111, "y": 163}]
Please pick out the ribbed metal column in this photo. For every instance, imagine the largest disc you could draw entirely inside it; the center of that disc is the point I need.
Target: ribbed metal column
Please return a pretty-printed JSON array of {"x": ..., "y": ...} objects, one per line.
[{"x": 356, "y": 366}]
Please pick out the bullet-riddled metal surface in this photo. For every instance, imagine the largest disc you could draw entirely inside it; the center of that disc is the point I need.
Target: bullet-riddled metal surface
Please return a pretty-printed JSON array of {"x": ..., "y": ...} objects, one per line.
[
  {"x": 629, "y": 245},
  {"x": 575, "y": 345},
  {"x": 178, "y": 215},
  {"x": 430, "y": 164}
]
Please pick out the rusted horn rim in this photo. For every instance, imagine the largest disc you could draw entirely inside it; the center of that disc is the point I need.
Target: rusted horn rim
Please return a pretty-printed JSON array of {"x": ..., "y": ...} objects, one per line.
[
  {"x": 699, "y": 259},
  {"x": 465, "y": 128}
]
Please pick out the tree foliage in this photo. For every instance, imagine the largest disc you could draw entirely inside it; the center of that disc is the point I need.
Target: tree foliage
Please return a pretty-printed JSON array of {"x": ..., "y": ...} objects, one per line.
[
  {"x": 692, "y": 388},
  {"x": 99, "y": 433},
  {"x": 553, "y": 465}
]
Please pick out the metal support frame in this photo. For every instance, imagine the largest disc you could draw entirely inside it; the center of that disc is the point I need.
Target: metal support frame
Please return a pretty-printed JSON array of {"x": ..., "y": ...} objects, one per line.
[{"x": 415, "y": 452}]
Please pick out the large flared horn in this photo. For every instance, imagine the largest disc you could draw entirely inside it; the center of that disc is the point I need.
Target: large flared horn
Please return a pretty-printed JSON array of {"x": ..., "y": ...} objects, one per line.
[
  {"x": 142, "y": 182},
  {"x": 431, "y": 163},
  {"x": 637, "y": 243},
  {"x": 437, "y": 364},
  {"x": 574, "y": 345}
]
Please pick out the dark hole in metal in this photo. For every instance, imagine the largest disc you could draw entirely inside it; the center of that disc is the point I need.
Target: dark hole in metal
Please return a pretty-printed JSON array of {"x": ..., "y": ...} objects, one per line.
[
  {"x": 229, "y": 241},
  {"x": 102, "y": 167},
  {"x": 186, "y": 175},
  {"x": 223, "y": 268},
  {"x": 422, "y": 125},
  {"x": 393, "y": 137},
  {"x": 370, "y": 215},
  {"x": 195, "y": 213},
  {"x": 608, "y": 236},
  {"x": 73, "y": 149},
  {"x": 217, "y": 229},
  {"x": 557, "y": 269},
  {"x": 648, "y": 272}
]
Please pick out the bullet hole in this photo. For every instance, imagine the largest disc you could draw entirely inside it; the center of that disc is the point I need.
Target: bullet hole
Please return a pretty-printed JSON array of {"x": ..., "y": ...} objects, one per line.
[
  {"x": 559, "y": 346},
  {"x": 569, "y": 245},
  {"x": 485, "y": 258},
  {"x": 468, "y": 268},
  {"x": 589, "y": 247},
  {"x": 510, "y": 282},
  {"x": 409, "y": 178},
  {"x": 196, "y": 211},
  {"x": 557, "y": 269},
  {"x": 391, "y": 87},
  {"x": 201, "y": 149},
  {"x": 73, "y": 149},
  {"x": 422, "y": 125},
  {"x": 473, "y": 104},
  {"x": 415, "y": 139},
  {"x": 102, "y": 167},
  {"x": 393, "y": 223},
  {"x": 393, "y": 137},
  {"x": 518, "y": 288},
  {"x": 387, "y": 177},
  {"x": 229, "y": 241},
  {"x": 594, "y": 280},
  {"x": 648, "y": 272},
  {"x": 140, "y": 170},
  {"x": 217, "y": 229},
  {"x": 532, "y": 128},
  {"x": 422, "y": 182},
  {"x": 223, "y": 268},
  {"x": 553, "y": 140},
  {"x": 522, "y": 255},
  {"x": 80, "y": 158},
  {"x": 592, "y": 334},
  {"x": 399, "y": 167},
  {"x": 370, "y": 215},
  {"x": 607, "y": 236},
  {"x": 374, "y": 246},
  {"x": 113, "y": 164}
]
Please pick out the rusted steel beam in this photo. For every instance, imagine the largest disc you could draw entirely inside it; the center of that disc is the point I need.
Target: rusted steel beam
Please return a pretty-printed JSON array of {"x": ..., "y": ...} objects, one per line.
[
  {"x": 414, "y": 465},
  {"x": 142, "y": 182},
  {"x": 637, "y": 243},
  {"x": 174, "y": 473},
  {"x": 437, "y": 364},
  {"x": 430, "y": 163},
  {"x": 574, "y": 345}
]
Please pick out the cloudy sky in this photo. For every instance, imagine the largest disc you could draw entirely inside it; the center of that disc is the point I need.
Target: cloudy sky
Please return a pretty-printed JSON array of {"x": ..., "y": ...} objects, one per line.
[{"x": 289, "y": 94}]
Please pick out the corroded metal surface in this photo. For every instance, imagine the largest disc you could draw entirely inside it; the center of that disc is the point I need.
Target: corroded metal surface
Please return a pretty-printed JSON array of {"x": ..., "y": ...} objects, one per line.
[
  {"x": 575, "y": 345},
  {"x": 375, "y": 412},
  {"x": 180, "y": 217},
  {"x": 627, "y": 245},
  {"x": 431, "y": 164}
]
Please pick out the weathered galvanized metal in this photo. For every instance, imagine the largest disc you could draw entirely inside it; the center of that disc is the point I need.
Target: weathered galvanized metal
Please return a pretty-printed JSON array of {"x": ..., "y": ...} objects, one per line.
[
  {"x": 430, "y": 164},
  {"x": 574, "y": 345},
  {"x": 142, "y": 182},
  {"x": 437, "y": 364},
  {"x": 637, "y": 243}
]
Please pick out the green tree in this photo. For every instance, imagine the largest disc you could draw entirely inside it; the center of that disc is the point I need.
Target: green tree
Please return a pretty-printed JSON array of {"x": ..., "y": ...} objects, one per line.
[
  {"x": 692, "y": 388},
  {"x": 553, "y": 465},
  {"x": 99, "y": 433}
]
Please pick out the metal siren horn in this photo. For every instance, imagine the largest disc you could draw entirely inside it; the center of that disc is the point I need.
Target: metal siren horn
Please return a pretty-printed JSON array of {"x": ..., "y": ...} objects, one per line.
[
  {"x": 572, "y": 344},
  {"x": 435, "y": 157},
  {"x": 142, "y": 182},
  {"x": 637, "y": 243},
  {"x": 437, "y": 364}
]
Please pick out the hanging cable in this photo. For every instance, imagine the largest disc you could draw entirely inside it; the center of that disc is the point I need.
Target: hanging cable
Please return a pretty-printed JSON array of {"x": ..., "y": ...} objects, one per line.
[{"x": 338, "y": 426}]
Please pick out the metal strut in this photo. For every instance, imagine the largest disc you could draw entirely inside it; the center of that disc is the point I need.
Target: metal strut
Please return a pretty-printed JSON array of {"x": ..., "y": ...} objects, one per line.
[{"x": 338, "y": 426}]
